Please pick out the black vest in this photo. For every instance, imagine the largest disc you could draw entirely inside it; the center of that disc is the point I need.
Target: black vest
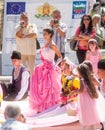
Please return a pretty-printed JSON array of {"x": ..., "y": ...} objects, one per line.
[{"x": 16, "y": 83}]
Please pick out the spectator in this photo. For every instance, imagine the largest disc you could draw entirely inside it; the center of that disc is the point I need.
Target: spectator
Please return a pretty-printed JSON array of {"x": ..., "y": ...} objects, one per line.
[
  {"x": 96, "y": 9},
  {"x": 102, "y": 2},
  {"x": 103, "y": 36},
  {"x": 101, "y": 73},
  {"x": 60, "y": 30},
  {"x": 26, "y": 35},
  {"x": 96, "y": 18},
  {"x": 18, "y": 88},
  {"x": 12, "y": 115},
  {"x": 90, "y": 5},
  {"x": 93, "y": 54},
  {"x": 82, "y": 35}
]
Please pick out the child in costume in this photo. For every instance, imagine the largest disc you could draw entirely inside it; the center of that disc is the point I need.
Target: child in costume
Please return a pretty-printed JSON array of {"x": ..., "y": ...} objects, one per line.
[
  {"x": 89, "y": 99},
  {"x": 70, "y": 83}
]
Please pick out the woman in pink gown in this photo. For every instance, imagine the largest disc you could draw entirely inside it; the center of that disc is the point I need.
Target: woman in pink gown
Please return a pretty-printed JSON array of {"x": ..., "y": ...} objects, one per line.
[{"x": 45, "y": 84}]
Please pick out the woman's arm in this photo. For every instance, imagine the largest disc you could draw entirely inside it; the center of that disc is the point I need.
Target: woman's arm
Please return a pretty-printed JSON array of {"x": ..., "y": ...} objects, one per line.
[
  {"x": 55, "y": 48},
  {"x": 87, "y": 37},
  {"x": 31, "y": 35},
  {"x": 77, "y": 33},
  {"x": 96, "y": 81},
  {"x": 87, "y": 55},
  {"x": 19, "y": 33},
  {"x": 84, "y": 37},
  {"x": 79, "y": 36}
]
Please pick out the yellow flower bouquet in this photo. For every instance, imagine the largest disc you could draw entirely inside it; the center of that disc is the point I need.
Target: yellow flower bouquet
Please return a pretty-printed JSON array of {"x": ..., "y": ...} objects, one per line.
[{"x": 70, "y": 85}]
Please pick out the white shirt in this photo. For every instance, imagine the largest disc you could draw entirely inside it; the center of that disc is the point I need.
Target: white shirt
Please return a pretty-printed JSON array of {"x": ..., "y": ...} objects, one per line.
[
  {"x": 103, "y": 32},
  {"x": 27, "y": 46}
]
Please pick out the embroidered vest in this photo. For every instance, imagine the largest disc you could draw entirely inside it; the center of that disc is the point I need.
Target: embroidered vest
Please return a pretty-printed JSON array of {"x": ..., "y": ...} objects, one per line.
[{"x": 16, "y": 83}]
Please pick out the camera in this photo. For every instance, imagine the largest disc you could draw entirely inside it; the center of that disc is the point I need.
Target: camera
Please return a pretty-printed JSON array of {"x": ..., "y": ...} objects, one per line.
[
  {"x": 56, "y": 21},
  {"x": 21, "y": 23}
]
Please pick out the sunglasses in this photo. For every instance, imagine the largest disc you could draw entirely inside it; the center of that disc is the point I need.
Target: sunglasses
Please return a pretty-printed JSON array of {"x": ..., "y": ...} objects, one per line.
[{"x": 86, "y": 19}]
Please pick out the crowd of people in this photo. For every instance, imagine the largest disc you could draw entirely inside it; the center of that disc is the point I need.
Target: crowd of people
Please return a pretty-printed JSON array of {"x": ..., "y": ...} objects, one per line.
[{"x": 56, "y": 80}]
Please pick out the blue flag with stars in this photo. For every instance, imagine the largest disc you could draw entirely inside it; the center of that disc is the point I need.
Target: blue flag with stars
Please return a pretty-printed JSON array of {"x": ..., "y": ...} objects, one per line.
[{"x": 15, "y": 7}]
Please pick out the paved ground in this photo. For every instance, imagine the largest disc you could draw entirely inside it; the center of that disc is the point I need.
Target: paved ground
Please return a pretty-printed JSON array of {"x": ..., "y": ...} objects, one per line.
[{"x": 71, "y": 126}]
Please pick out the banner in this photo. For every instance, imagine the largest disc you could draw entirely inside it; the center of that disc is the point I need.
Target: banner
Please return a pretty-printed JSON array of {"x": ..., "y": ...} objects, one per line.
[{"x": 39, "y": 12}]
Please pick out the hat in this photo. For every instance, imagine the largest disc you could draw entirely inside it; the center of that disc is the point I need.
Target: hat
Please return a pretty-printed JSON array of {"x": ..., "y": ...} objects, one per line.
[
  {"x": 101, "y": 64},
  {"x": 92, "y": 41},
  {"x": 16, "y": 55}
]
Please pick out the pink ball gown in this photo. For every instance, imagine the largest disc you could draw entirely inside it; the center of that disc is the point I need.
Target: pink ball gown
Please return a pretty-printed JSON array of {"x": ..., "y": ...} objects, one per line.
[{"x": 45, "y": 84}]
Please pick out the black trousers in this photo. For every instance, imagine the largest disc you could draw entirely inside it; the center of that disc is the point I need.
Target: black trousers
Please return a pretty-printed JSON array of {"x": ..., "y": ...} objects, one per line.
[
  {"x": 81, "y": 55},
  {"x": 6, "y": 95},
  {"x": 10, "y": 96}
]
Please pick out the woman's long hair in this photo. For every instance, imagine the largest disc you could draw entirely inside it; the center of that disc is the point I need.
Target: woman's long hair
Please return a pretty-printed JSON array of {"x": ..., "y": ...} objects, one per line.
[
  {"x": 85, "y": 73},
  {"x": 82, "y": 25}
]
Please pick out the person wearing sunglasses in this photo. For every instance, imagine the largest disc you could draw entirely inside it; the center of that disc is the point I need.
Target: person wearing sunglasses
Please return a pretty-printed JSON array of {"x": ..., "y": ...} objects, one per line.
[{"x": 83, "y": 33}]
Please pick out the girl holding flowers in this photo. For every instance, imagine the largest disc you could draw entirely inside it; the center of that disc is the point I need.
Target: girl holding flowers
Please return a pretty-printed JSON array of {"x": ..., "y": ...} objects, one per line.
[{"x": 69, "y": 84}]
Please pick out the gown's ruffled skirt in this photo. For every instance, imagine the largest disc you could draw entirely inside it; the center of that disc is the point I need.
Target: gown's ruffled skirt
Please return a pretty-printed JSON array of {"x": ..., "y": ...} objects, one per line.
[{"x": 45, "y": 87}]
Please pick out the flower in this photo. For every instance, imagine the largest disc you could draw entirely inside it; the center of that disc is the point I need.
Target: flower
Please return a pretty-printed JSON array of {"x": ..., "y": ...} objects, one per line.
[
  {"x": 76, "y": 83},
  {"x": 69, "y": 84},
  {"x": 1, "y": 97}
]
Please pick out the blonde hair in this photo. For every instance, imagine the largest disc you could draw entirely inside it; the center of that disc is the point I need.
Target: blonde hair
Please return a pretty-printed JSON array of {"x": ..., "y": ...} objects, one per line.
[{"x": 96, "y": 16}]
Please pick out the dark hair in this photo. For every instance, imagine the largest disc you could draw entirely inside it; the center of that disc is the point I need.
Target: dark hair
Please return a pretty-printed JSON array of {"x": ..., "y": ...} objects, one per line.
[
  {"x": 82, "y": 25},
  {"x": 92, "y": 42},
  {"x": 101, "y": 64},
  {"x": 95, "y": 5},
  {"x": 84, "y": 71},
  {"x": 88, "y": 63},
  {"x": 16, "y": 55},
  {"x": 49, "y": 31},
  {"x": 102, "y": 2},
  {"x": 67, "y": 65},
  {"x": 12, "y": 111}
]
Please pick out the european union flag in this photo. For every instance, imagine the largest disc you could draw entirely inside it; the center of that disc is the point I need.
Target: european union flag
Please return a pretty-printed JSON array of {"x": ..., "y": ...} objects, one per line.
[{"x": 15, "y": 7}]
